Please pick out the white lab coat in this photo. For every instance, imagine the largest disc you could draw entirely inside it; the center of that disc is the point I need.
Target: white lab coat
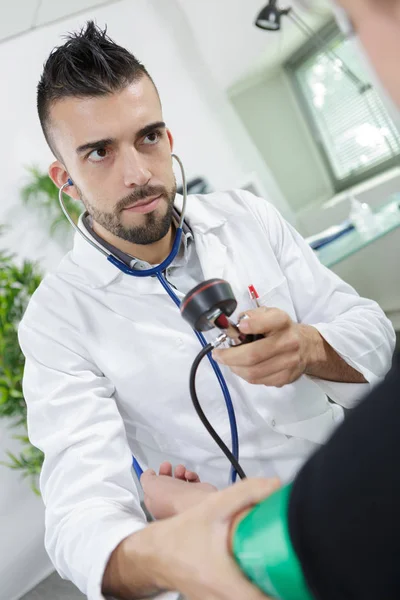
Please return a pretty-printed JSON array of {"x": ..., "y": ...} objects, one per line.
[{"x": 107, "y": 364}]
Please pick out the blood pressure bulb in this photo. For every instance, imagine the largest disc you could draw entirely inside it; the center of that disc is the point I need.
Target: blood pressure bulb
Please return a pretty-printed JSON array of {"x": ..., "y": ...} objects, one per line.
[
  {"x": 209, "y": 305},
  {"x": 202, "y": 306}
]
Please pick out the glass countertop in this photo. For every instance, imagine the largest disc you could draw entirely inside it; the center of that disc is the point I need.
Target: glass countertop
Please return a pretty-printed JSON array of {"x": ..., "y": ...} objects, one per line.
[{"x": 387, "y": 219}]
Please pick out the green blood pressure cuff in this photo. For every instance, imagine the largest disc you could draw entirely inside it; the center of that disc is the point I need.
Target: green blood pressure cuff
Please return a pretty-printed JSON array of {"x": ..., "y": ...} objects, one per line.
[{"x": 262, "y": 547}]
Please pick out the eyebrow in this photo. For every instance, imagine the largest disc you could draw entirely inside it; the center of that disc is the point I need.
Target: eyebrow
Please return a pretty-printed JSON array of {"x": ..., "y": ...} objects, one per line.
[{"x": 109, "y": 141}]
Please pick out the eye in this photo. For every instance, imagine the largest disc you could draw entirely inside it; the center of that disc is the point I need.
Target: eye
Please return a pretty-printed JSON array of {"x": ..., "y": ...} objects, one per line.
[
  {"x": 98, "y": 155},
  {"x": 152, "y": 138}
]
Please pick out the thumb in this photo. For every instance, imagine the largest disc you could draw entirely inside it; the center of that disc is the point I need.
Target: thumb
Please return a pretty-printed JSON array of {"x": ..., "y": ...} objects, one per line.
[
  {"x": 147, "y": 476},
  {"x": 243, "y": 495},
  {"x": 264, "y": 320},
  {"x": 254, "y": 321}
]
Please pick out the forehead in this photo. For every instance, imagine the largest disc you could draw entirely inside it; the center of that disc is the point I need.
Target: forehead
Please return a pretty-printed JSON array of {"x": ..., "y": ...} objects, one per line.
[{"x": 77, "y": 120}]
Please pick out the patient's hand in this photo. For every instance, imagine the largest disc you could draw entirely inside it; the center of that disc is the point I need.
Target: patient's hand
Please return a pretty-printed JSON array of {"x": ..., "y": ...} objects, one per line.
[{"x": 166, "y": 495}]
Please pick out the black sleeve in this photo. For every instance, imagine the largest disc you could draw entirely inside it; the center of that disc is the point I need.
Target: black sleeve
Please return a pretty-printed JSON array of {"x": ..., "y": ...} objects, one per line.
[{"x": 344, "y": 512}]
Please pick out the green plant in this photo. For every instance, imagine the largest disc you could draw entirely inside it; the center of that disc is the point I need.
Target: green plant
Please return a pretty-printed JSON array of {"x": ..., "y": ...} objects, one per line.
[
  {"x": 17, "y": 284},
  {"x": 41, "y": 192}
]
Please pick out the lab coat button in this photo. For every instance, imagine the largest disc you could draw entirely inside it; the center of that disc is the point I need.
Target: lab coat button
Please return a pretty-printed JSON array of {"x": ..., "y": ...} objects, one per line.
[{"x": 273, "y": 423}]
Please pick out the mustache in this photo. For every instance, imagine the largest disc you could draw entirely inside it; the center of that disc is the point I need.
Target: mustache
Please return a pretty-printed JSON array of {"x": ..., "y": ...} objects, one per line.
[{"x": 141, "y": 193}]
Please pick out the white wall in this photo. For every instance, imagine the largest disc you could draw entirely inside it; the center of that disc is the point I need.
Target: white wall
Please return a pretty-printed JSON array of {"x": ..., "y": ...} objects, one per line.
[
  {"x": 271, "y": 115},
  {"x": 209, "y": 137},
  {"x": 233, "y": 47}
]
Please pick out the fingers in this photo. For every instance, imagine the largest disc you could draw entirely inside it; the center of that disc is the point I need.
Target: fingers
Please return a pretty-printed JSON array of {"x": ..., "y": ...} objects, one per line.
[
  {"x": 241, "y": 356},
  {"x": 180, "y": 472},
  {"x": 283, "y": 367},
  {"x": 147, "y": 475},
  {"x": 264, "y": 320},
  {"x": 243, "y": 495},
  {"x": 257, "y": 352},
  {"x": 165, "y": 469},
  {"x": 278, "y": 380},
  {"x": 192, "y": 477},
  {"x": 148, "y": 481}
]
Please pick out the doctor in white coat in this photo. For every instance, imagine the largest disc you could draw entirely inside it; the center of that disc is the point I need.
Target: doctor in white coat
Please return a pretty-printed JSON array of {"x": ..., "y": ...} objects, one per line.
[{"x": 108, "y": 355}]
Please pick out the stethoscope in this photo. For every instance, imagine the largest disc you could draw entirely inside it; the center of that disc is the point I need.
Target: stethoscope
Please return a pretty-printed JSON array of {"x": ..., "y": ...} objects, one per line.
[{"x": 158, "y": 271}]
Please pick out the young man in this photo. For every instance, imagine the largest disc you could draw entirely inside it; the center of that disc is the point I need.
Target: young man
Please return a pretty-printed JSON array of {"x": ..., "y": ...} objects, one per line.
[{"x": 108, "y": 354}]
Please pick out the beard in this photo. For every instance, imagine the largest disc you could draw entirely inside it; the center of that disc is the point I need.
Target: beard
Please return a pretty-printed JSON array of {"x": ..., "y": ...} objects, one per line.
[{"x": 155, "y": 227}]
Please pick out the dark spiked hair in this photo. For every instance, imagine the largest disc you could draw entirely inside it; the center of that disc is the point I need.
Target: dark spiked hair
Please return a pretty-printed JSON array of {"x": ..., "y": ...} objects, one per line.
[{"x": 89, "y": 64}]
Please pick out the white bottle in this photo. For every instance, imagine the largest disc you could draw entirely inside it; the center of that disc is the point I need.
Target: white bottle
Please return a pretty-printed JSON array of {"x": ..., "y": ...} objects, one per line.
[{"x": 361, "y": 215}]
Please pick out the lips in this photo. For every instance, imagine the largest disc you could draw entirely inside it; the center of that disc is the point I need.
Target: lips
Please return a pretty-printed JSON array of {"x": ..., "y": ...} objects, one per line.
[
  {"x": 143, "y": 202},
  {"x": 145, "y": 206}
]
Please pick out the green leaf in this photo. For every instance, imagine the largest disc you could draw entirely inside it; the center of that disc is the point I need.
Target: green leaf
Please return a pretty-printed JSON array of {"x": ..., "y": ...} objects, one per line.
[
  {"x": 35, "y": 489},
  {"x": 22, "y": 438},
  {"x": 17, "y": 284},
  {"x": 15, "y": 462}
]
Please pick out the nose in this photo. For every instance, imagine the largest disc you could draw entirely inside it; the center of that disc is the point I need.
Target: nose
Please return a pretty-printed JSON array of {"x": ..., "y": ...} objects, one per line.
[{"x": 135, "y": 170}]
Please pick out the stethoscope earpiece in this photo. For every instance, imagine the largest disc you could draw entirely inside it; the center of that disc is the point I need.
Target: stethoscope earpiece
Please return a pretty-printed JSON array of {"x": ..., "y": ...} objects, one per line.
[{"x": 70, "y": 182}]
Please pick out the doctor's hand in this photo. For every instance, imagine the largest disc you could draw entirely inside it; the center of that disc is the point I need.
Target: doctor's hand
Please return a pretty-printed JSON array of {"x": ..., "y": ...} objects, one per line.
[
  {"x": 278, "y": 359},
  {"x": 166, "y": 495},
  {"x": 195, "y": 548}
]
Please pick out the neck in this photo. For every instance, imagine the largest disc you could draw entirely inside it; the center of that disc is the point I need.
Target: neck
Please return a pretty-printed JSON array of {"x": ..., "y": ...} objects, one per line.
[{"x": 154, "y": 254}]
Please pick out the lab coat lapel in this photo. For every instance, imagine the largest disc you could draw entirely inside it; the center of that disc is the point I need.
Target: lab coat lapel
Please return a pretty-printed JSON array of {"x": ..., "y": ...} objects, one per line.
[
  {"x": 206, "y": 223},
  {"x": 212, "y": 253}
]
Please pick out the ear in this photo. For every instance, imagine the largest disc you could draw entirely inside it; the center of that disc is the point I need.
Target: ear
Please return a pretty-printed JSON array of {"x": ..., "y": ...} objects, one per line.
[
  {"x": 59, "y": 175},
  {"x": 170, "y": 139}
]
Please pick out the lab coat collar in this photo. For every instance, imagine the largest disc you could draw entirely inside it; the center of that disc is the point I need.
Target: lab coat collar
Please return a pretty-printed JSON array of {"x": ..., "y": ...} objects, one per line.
[
  {"x": 99, "y": 272},
  {"x": 202, "y": 212}
]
